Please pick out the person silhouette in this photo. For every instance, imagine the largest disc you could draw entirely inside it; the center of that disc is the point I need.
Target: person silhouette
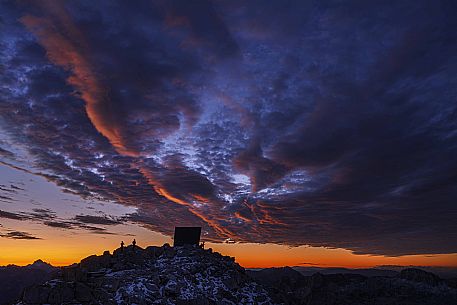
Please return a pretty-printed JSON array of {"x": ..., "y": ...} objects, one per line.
[
  {"x": 122, "y": 246},
  {"x": 133, "y": 245}
]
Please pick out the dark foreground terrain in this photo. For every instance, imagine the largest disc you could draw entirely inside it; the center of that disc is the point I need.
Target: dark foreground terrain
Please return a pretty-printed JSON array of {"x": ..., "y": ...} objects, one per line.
[
  {"x": 410, "y": 286},
  {"x": 188, "y": 275},
  {"x": 155, "y": 275}
]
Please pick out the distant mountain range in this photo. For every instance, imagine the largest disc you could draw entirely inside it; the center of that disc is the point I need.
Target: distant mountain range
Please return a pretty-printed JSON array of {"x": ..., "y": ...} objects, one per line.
[
  {"x": 409, "y": 287},
  {"x": 443, "y": 272},
  {"x": 188, "y": 275},
  {"x": 334, "y": 270},
  {"x": 13, "y": 279}
]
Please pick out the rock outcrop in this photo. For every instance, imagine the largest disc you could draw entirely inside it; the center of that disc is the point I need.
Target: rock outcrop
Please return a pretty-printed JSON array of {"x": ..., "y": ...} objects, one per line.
[
  {"x": 155, "y": 275},
  {"x": 411, "y": 286}
]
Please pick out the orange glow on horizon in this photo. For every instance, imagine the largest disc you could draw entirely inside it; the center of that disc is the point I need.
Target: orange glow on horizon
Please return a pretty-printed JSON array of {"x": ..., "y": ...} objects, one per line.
[
  {"x": 247, "y": 256},
  {"x": 61, "y": 249}
]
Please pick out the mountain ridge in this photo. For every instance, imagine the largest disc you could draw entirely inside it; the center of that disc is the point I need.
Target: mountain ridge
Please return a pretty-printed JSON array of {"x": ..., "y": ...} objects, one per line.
[{"x": 191, "y": 275}]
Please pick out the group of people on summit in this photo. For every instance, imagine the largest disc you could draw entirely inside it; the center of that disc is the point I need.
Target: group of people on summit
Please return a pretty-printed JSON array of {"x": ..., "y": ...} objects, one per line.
[
  {"x": 202, "y": 245},
  {"x": 133, "y": 245}
]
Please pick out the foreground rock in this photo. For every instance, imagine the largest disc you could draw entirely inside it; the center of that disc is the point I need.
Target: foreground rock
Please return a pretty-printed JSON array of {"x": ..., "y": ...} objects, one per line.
[{"x": 155, "y": 275}]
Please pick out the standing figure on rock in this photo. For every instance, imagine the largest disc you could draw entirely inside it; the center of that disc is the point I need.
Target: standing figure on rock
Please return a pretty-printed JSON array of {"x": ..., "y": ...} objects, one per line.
[
  {"x": 133, "y": 245},
  {"x": 122, "y": 246}
]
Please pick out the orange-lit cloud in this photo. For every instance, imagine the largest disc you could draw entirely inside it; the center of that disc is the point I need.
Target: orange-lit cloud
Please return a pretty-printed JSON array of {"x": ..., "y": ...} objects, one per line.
[
  {"x": 162, "y": 191},
  {"x": 65, "y": 46},
  {"x": 239, "y": 216}
]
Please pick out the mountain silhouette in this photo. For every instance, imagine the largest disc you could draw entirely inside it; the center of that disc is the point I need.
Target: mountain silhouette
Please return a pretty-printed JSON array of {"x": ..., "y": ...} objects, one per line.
[
  {"x": 191, "y": 275},
  {"x": 14, "y": 279},
  {"x": 154, "y": 275}
]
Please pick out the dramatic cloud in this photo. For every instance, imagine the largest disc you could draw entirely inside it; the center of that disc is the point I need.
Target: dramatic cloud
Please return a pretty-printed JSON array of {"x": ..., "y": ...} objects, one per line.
[{"x": 325, "y": 124}]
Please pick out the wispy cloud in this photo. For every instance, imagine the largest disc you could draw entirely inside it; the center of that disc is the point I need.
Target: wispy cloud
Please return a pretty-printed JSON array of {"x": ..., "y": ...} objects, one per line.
[
  {"x": 19, "y": 235},
  {"x": 97, "y": 220}
]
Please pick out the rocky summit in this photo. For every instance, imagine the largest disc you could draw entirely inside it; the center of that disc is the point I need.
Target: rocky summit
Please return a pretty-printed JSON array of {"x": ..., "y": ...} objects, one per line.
[{"x": 154, "y": 275}]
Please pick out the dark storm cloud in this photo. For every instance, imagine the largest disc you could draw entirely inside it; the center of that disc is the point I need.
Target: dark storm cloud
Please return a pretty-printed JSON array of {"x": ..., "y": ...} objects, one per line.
[
  {"x": 16, "y": 188},
  {"x": 95, "y": 230},
  {"x": 50, "y": 219},
  {"x": 7, "y": 192},
  {"x": 82, "y": 223},
  {"x": 6, "y": 199},
  {"x": 35, "y": 214},
  {"x": 57, "y": 224},
  {"x": 97, "y": 220},
  {"x": 262, "y": 171},
  {"x": 19, "y": 235},
  {"x": 206, "y": 27},
  {"x": 4, "y": 188},
  {"x": 328, "y": 124},
  {"x": 9, "y": 215},
  {"x": 42, "y": 214}
]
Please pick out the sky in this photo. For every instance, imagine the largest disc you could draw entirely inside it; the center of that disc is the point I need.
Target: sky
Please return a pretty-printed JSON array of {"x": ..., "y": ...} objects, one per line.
[{"x": 315, "y": 133}]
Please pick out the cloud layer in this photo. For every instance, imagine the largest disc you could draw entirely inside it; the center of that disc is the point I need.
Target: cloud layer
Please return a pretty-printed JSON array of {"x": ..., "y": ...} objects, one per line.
[{"x": 326, "y": 124}]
